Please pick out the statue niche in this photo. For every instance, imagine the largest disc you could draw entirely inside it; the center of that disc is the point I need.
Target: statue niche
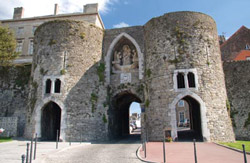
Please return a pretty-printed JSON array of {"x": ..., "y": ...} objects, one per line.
[{"x": 125, "y": 59}]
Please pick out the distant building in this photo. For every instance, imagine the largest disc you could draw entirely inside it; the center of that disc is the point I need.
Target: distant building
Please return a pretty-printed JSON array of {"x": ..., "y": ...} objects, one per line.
[
  {"x": 24, "y": 28},
  {"x": 237, "y": 47}
]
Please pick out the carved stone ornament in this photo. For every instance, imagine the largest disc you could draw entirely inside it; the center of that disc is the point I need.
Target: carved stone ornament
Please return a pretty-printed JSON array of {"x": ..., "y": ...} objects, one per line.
[
  {"x": 125, "y": 78},
  {"x": 125, "y": 59}
]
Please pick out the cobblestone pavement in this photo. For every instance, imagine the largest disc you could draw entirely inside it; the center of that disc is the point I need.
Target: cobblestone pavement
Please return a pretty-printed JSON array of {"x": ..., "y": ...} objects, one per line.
[
  {"x": 10, "y": 152},
  {"x": 123, "y": 151}
]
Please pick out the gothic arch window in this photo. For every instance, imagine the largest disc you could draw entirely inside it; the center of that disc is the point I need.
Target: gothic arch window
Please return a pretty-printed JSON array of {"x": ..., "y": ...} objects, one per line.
[
  {"x": 191, "y": 80},
  {"x": 180, "y": 80},
  {"x": 185, "y": 79},
  {"x": 124, "y": 56},
  {"x": 57, "y": 86},
  {"x": 48, "y": 86}
]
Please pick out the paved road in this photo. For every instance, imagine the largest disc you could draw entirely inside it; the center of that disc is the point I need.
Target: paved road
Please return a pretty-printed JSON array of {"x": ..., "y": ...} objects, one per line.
[{"x": 122, "y": 151}]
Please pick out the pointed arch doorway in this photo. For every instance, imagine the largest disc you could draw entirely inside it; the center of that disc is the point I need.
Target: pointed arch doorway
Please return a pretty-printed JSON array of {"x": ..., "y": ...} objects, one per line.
[
  {"x": 119, "y": 114},
  {"x": 188, "y": 118},
  {"x": 50, "y": 121}
]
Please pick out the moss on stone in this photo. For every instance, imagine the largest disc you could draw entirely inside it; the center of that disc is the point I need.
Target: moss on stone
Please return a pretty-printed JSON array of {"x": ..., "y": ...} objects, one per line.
[
  {"x": 148, "y": 73},
  {"x": 247, "y": 122},
  {"x": 100, "y": 72},
  {"x": 147, "y": 103},
  {"x": 104, "y": 119},
  {"x": 82, "y": 35},
  {"x": 63, "y": 72},
  {"x": 93, "y": 100},
  {"x": 52, "y": 42}
]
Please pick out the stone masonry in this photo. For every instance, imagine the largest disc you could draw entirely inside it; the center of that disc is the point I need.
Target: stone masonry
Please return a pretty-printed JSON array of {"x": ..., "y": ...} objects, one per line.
[
  {"x": 237, "y": 84},
  {"x": 93, "y": 75}
]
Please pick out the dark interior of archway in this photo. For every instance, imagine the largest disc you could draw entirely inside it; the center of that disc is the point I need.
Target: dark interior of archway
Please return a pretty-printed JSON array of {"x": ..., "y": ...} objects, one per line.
[
  {"x": 119, "y": 115},
  {"x": 195, "y": 131},
  {"x": 51, "y": 119}
]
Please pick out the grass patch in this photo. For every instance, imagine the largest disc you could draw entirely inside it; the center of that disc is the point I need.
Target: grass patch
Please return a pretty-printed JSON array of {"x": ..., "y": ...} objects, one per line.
[
  {"x": 5, "y": 139},
  {"x": 238, "y": 145}
]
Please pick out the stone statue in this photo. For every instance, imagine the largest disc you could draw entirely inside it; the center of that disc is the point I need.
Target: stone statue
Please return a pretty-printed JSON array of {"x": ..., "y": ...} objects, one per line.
[
  {"x": 125, "y": 59},
  {"x": 126, "y": 55}
]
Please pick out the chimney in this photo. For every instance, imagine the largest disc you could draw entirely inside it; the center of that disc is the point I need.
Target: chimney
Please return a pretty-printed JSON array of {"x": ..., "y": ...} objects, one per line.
[
  {"x": 56, "y": 9},
  {"x": 90, "y": 8},
  {"x": 18, "y": 13}
]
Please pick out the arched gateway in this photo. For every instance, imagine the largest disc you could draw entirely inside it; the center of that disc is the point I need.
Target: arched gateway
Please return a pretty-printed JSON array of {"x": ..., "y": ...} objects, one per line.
[
  {"x": 197, "y": 128},
  {"x": 50, "y": 121},
  {"x": 119, "y": 114}
]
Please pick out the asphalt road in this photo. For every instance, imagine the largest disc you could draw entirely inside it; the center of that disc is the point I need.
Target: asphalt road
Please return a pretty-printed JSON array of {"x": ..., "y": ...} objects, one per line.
[{"x": 120, "y": 151}]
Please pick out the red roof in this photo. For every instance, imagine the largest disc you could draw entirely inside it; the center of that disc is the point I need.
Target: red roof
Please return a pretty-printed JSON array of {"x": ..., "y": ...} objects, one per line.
[{"x": 242, "y": 55}]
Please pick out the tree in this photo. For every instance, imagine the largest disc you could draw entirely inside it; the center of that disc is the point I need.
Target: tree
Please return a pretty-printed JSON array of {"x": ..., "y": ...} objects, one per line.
[{"x": 7, "y": 46}]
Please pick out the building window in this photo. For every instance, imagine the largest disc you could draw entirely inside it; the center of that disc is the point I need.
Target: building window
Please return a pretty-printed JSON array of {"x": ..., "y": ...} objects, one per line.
[
  {"x": 182, "y": 117},
  {"x": 57, "y": 86},
  {"x": 180, "y": 80},
  {"x": 48, "y": 86},
  {"x": 34, "y": 29},
  {"x": 19, "y": 46},
  {"x": 248, "y": 58},
  {"x": 191, "y": 80},
  {"x": 20, "y": 30},
  {"x": 181, "y": 103},
  {"x": 247, "y": 47},
  {"x": 31, "y": 43},
  {"x": 185, "y": 79}
]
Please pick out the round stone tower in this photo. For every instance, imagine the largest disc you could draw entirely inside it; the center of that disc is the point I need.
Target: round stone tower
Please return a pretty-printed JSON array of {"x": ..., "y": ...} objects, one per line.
[
  {"x": 67, "y": 82},
  {"x": 184, "y": 69}
]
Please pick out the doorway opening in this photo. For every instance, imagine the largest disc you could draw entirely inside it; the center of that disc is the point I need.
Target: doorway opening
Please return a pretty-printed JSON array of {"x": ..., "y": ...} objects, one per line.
[
  {"x": 119, "y": 114},
  {"x": 135, "y": 119},
  {"x": 50, "y": 121},
  {"x": 188, "y": 119}
]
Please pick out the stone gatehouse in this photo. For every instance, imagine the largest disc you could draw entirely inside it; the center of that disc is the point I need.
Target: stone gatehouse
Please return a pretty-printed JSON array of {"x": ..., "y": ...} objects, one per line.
[{"x": 84, "y": 79}]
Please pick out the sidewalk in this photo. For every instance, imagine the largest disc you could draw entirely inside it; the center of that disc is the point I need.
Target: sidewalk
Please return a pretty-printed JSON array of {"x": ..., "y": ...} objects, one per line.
[
  {"x": 183, "y": 152},
  {"x": 10, "y": 152}
]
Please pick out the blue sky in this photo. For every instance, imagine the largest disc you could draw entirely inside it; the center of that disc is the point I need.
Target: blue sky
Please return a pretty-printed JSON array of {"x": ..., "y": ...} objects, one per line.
[
  {"x": 230, "y": 15},
  {"x": 135, "y": 108}
]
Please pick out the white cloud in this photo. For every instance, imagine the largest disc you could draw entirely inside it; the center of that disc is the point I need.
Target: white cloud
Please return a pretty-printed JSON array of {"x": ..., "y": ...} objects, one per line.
[
  {"x": 120, "y": 25},
  {"x": 46, "y": 7}
]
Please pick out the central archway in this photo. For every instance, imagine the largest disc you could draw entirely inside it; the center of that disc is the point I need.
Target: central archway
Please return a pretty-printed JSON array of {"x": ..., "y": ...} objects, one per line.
[
  {"x": 188, "y": 119},
  {"x": 50, "y": 121},
  {"x": 119, "y": 114}
]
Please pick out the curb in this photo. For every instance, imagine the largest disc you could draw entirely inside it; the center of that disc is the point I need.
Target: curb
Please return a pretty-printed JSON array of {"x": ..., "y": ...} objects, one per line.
[
  {"x": 139, "y": 157},
  {"x": 234, "y": 149}
]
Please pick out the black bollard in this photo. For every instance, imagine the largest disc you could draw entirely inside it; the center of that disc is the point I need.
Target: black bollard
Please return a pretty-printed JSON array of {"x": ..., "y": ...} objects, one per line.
[
  {"x": 142, "y": 144},
  {"x": 31, "y": 149},
  {"x": 195, "y": 156},
  {"x": 57, "y": 139},
  {"x": 69, "y": 140},
  {"x": 27, "y": 153},
  {"x": 244, "y": 153},
  {"x": 164, "y": 154},
  {"x": 35, "y": 147},
  {"x": 81, "y": 138},
  {"x": 23, "y": 158}
]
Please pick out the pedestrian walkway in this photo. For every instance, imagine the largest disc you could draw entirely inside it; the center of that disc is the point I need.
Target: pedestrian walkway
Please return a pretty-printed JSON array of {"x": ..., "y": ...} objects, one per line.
[
  {"x": 183, "y": 152},
  {"x": 11, "y": 152}
]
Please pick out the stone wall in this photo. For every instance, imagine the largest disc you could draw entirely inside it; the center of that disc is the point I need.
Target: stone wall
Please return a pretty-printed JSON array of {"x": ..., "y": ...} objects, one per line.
[
  {"x": 9, "y": 124},
  {"x": 238, "y": 86},
  {"x": 70, "y": 51},
  {"x": 123, "y": 92},
  {"x": 183, "y": 41},
  {"x": 14, "y": 94}
]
